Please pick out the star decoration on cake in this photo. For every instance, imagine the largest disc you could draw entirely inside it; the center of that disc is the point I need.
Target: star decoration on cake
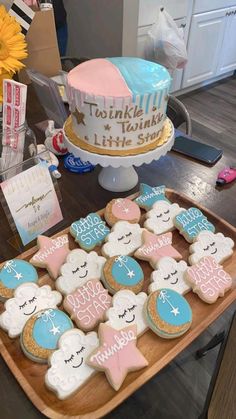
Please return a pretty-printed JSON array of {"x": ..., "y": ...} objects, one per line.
[
  {"x": 79, "y": 117},
  {"x": 154, "y": 108},
  {"x": 52, "y": 254},
  {"x": 149, "y": 195},
  {"x": 155, "y": 247},
  {"x": 107, "y": 127},
  {"x": 117, "y": 353}
]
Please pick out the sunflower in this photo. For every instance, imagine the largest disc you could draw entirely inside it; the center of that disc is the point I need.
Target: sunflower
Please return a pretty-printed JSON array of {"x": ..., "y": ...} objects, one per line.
[{"x": 12, "y": 44}]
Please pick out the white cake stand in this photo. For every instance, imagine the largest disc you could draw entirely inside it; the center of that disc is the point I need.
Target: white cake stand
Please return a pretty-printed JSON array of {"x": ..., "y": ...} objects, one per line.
[{"x": 118, "y": 173}]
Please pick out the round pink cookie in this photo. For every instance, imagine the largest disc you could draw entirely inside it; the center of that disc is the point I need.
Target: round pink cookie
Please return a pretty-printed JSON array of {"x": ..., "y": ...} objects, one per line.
[{"x": 122, "y": 209}]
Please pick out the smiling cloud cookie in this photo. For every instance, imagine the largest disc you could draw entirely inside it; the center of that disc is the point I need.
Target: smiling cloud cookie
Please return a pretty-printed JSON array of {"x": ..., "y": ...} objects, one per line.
[
  {"x": 160, "y": 217},
  {"x": 209, "y": 244},
  {"x": 124, "y": 239},
  {"x": 68, "y": 370},
  {"x": 80, "y": 267},
  {"x": 169, "y": 274},
  {"x": 28, "y": 299}
]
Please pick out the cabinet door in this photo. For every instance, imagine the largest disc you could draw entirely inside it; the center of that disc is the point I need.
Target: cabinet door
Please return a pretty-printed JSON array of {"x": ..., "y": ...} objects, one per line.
[
  {"x": 205, "y": 40},
  {"x": 227, "y": 57}
]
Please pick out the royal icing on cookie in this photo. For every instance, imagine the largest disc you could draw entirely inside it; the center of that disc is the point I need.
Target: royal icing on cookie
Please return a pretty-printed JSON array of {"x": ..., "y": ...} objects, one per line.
[
  {"x": 209, "y": 244},
  {"x": 149, "y": 195},
  {"x": 80, "y": 266},
  {"x": 89, "y": 231},
  {"x": 168, "y": 313},
  {"x": 160, "y": 217},
  {"x": 14, "y": 273},
  {"x": 52, "y": 254},
  {"x": 155, "y": 247},
  {"x": 117, "y": 354},
  {"x": 127, "y": 308},
  {"x": 68, "y": 369},
  {"x": 88, "y": 304},
  {"x": 191, "y": 222},
  {"x": 124, "y": 239},
  {"x": 122, "y": 209},
  {"x": 28, "y": 299},
  {"x": 169, "y": 274},
  {"x": 208, "y": 279}
]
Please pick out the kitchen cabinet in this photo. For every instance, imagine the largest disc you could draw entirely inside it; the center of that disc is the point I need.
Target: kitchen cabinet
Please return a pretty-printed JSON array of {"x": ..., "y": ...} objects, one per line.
[{"x": 227, "y": 56}]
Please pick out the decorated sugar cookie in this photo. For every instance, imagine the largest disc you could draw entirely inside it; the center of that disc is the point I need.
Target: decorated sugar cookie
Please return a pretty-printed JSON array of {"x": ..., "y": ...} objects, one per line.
[
  {"x": 149, "y": 195},
  {"x": 122, "y": 209},
  {"x": 28, "y": 299},
  {"x": 160, "y": 218},
  {"x": 117, "y": 354},
  {"x": 14, "y": 273},
  {"x": 68, "y": 369},
  {"x": 155, "y": 247},
  {"x": 87, "y": 305},
  {"x": 124, "y": 239},
  {"x": 127, "y": 308},
  {"x": 168, "y": 313},
  {"x": 191, "y": 222},
  {"x": 209, "y": 244},
  {"x": 41, "y": 333},
  {"x": 123, "y": 272},
  {"x": 90, "y": 231},
  {"x": 80, "y": 266},
  {"x": 169, "y": 274},
  {"x": 208, "y": 279},
  {"x": 52, "y": 254}
]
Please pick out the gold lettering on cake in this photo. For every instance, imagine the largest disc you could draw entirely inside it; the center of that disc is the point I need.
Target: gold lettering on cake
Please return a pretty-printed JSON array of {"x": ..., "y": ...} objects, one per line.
[
  {"x": 110, "y": 142},
  {"x": 142, "y": 139},
  {"x": 129, "y": 112},
  {"x": 127, "y": 126}
]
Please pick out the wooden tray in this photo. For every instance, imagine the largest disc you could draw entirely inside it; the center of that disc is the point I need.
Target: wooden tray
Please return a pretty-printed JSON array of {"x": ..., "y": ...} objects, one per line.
[{"x": 97, "y": 398}]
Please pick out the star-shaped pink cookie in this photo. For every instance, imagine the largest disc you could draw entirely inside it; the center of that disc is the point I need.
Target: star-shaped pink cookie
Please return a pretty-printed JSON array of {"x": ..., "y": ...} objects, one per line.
[
  {"x": 117, "y": 354},
  {"x": 155, "y": 247},
  {"x": 52, "y": 254}
]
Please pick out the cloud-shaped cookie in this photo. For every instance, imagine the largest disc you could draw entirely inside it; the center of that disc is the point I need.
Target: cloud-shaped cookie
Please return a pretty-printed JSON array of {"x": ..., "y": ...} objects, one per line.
[
  {"x": 127, "y": 308},
  {"x": 124, "y": 239},
  {"x": 209, "y": 244},
  {"x": 68, "y": 369},
  {"x": 28, "y": 299},
  {"x": 169, "y": 274},
  {"x": 160, "y": 217},
  {"x": 80, "y": 267}
]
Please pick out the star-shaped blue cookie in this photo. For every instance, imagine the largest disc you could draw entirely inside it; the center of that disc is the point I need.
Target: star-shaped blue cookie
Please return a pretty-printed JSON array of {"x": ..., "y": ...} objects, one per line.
[{"x": 149, "y": 195}]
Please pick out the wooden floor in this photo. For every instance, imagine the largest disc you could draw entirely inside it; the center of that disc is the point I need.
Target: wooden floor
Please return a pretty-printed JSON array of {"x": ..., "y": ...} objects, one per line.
[{"x": 180, "y": 390}]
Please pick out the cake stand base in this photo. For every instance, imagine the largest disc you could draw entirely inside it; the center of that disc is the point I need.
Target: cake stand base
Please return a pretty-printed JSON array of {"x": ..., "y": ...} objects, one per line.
[{"x": 119, "y": 179}]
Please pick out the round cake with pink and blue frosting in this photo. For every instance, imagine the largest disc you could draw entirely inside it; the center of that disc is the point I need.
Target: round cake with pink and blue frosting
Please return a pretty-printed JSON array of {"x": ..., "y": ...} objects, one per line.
[{"x": 118, "y": 106}]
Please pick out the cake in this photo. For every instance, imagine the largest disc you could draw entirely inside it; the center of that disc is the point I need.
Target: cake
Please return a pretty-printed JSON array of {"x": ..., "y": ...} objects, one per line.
[{"x": 118, "y": 106}]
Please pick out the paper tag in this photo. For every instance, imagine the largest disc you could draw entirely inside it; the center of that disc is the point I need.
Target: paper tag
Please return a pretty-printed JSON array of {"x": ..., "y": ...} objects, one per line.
[{"x": 32, "y": 201}]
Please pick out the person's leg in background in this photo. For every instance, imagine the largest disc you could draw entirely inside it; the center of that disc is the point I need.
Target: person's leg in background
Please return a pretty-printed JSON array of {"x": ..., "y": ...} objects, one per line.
[{"x": 61, "y": 26}]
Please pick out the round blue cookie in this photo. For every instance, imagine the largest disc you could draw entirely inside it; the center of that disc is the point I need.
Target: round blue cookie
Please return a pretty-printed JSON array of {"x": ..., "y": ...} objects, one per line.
[
  {"x": 123, "y": 272},
  {"x": 41, "y": 333},
  {"x": 13, "y": 273},
  {"x": 168, "y": 313}
]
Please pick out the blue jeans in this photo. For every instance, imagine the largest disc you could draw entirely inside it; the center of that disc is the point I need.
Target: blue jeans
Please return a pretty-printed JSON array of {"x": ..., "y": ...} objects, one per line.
[{"x": 62, "y": 37}]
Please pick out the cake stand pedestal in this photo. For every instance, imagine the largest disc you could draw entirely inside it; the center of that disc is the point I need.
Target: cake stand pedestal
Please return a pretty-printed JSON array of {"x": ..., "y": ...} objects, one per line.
[{"x": 118, "y": 173}]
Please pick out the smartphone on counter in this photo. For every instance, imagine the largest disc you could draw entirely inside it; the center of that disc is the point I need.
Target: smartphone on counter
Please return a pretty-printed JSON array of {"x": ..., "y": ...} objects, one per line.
[{"x": 195, "y": 149}]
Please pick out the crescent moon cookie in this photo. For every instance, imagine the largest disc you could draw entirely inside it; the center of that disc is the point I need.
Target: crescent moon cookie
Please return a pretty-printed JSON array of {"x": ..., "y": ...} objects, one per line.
[
  {"x": 52, "y": 254},
  {"x": 127, "y": 308},
  {"x": 124, "y": 239},
  {"x": 149, "y": 195},
  {"x": 14, "y": 273},
  {"x": 68, "y": 370},
  {"x": 90, "y": 231},
  {"x": 208, "y": 279},
  {"x": 169, "y": 274},
  {"x": 160, "y": 218},
  {"x": 168, "y": 313},
  {"x": 117, "y": 354},
  {"x": 191, "y": 222},
  {"x": 80, "y": 267},
  {"x": 123, "y": 209},
  {"x": 155, "y": 247},
  {"x": 41, "y": 333},
  {"x": 209, "y": 244},
  {"x": 88, "y": 304},
  {"x": 28, "y": 299},
  {"x": 122, "y": 272}
]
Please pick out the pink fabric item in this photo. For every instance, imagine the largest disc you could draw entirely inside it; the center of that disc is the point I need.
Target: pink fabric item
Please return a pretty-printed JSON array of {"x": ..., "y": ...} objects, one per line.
[{"x": 31, "y": 3}]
